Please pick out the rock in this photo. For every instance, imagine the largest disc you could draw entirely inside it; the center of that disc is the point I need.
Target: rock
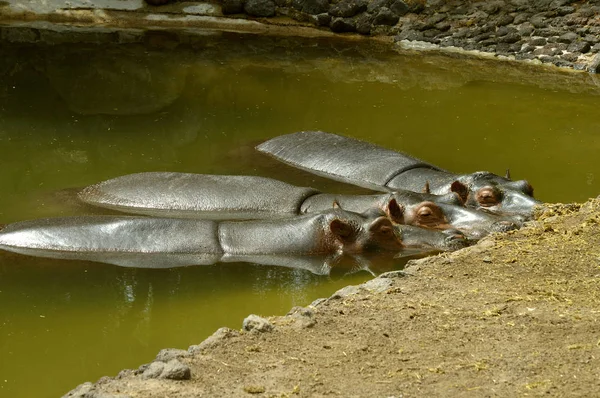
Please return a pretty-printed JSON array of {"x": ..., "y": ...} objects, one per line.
[
  {"x": 153, "y": 371},
  {"x": 80, "y": 391},
  {"x": 571, "y": 57},
  {"x": 312, "y": 7},
  {"x": 538, "y": 41},
  {"x": 568, "y": 37},
  {"x": 260, "y": 8},
  {"x": 538, "y": 21},
  {"x": 521, "y": 18},
  {"x": 385, "y": 17},
  {"x": 364, "y": 23},
  {"x": 232, "y": 6},
  {"x": 595, "y": 48},
  {"x": 167, "y": 354},
  {"x": 526, "y": 29},
  {"x": 510, "y": 38},
  {"x": 257, "y": 323},
  {"x": 579, "y": 46},
  {"x": 375, "y": 5},
  {"x": 348, "y": 8},
  {"x": 504, "y": 20},
  {"x": 175, "y": 370},
  {"x": 595, "y": 65},
  {"x": 214, "y": 339},
  {"x": 323, "y": 19},
  {"x": 399, "y": 7}
]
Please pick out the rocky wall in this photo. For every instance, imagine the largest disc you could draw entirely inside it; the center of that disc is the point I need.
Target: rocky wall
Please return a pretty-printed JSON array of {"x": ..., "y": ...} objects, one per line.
[{"x": 565, "y": 33}]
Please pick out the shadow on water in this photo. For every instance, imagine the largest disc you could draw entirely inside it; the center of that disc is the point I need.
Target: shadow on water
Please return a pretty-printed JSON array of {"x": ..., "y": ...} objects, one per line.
[{"x": 202, "y": 108}]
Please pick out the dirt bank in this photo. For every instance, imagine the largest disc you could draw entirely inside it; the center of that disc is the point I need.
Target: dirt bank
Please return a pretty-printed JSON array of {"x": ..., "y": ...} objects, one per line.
[{"x": 518, "y": 314}]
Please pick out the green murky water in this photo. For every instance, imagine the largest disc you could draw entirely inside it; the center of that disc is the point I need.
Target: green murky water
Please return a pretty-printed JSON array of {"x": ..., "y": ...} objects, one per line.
[{"x": 70, "y": 117}]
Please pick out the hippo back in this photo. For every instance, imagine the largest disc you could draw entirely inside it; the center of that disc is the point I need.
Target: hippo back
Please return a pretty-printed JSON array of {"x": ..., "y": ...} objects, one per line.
[
  {"x": 341, "y": 158},
  {"x": 127, "y": 241},
  {"x": 197, "y": 196}
]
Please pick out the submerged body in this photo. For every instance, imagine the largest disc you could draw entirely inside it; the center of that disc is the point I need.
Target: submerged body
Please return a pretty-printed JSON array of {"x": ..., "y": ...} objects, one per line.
[
  {"x": 364, "y": 164},
  {"x": 300, "y": 242},
  {"x": 250, "y": 197}
]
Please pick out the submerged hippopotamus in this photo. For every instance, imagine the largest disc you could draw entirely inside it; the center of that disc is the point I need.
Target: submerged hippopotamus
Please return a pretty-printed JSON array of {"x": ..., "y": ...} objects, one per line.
[
  {"x": 150, "y": 242},
  {"x": 250, "y": 197},
  {"x": 364, "y": 164}
]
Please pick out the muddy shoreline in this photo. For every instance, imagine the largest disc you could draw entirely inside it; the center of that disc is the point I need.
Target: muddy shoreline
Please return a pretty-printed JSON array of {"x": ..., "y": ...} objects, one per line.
[{"x": 515, "y": 314}]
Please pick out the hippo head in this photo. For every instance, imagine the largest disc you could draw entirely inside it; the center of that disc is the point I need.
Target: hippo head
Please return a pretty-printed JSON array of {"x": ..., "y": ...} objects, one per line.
[
  {"x": 490, "y": 192},
  {"x": 358, "y": 233}
]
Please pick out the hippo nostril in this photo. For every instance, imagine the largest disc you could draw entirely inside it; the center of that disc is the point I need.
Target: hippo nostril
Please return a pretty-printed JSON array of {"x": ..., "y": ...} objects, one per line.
[{"x": 504, "y": 226}]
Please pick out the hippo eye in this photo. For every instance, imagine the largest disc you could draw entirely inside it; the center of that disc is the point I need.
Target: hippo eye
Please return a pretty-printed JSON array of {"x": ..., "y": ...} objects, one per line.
[
  {"x": 488, "y": 197},
  {"x": 425, "y": 212}
]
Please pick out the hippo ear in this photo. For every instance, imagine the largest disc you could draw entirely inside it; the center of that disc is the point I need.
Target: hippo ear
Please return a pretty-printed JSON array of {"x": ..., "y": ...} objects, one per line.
[
  {"x": 395, "y": 211},
  {"x": 522, "y": 186},
  {"x": 336, "y": 204},
  {"x": 461, "y": 190},
  {"x": 342, "y": 230},
  {"x": 507, "y": 175}
]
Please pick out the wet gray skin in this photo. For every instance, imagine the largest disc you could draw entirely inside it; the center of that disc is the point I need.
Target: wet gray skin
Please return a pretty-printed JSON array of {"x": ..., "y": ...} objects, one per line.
[
  {"x": 169, "y": 242},
  {"x": 249, "y": 197},
  {"x": 335, "y": 157}
]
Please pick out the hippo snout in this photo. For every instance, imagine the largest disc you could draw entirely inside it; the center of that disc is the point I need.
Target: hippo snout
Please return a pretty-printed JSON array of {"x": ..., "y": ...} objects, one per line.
[{"x": 455, "y": 239}]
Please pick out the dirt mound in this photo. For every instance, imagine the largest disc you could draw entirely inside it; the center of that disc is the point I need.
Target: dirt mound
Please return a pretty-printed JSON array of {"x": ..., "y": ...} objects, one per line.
[{"x": 517, "y": 314}]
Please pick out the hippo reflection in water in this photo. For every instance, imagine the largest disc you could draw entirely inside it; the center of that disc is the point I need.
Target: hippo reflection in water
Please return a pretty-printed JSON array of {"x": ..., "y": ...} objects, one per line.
[{"x": 292, "y": 225}]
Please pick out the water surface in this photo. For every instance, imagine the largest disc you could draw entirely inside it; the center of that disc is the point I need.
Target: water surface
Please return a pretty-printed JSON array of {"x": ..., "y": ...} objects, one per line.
[{"x": 72, "y": 116}]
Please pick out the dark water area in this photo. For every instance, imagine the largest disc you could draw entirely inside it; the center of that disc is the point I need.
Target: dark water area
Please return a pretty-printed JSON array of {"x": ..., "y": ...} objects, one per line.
[{"x": 72, "y": 116}]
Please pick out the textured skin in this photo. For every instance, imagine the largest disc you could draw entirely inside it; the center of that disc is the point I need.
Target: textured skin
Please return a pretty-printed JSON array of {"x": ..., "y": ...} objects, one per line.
[
  {"x": 364, "y": 164},
  {"x": 169, "y": 242},
  {"x": 197, "y": 196},
  {"x": 248, "y": 197},
  {"x": 341, "y": 158}
]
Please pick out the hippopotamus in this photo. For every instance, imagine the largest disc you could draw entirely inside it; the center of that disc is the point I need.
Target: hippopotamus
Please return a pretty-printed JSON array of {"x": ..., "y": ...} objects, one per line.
[
  {"x": 157, "y": 242},
  {"x": 360, "y": 163},
  {"x": 251, "y": 197}
]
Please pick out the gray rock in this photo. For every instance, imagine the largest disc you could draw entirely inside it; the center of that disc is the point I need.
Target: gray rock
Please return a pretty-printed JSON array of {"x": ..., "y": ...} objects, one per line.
[
  {"x": 167, "y": 354},
  {"x": 579, "y": 46},
  {"x": 323, "y": 19},
  {"x": 521, "y": 17},
  {"x": 232, "y": 6},
  {"x": 364, "y": 23},
  {"x": 595, "y": 48},
  {"x": 568, "y": 37},
  {"x": 538, "y": 21},
  {"x": 595, "y": 65},
  {"x": 510, "y": 38},
  {"x": 348, "y": 8},
  {"x": 538, "y": 41},
  {"x": 260, "y": 8},
  {"x": 214, "y": 339},
  {"x": 526, "y": 29},
  {"x": 565, "y": 10},
  {"x": 375, "y": 5},
  {"x": 385, "y": 17},
  {"x": 312, "y": 7},
  {"x": 504, "y": 20},
  {"x": 80, "y": 391},
  {"x": 257, "y": 323},
  {"x": 571, "y": 57},
  {"x": 399, "y": 7},
  {"x": 175, "y": 370},
  {"x": 153, "y": 371}
]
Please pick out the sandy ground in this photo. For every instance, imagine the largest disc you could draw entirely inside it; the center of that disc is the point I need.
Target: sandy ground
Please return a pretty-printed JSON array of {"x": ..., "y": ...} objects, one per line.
[{"x": 516, "y": 315}]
